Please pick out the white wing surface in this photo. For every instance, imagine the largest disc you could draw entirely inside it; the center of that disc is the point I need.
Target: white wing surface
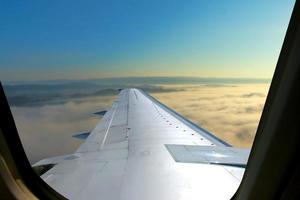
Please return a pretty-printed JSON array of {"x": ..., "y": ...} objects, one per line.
[{"x": 143, "y": 150}]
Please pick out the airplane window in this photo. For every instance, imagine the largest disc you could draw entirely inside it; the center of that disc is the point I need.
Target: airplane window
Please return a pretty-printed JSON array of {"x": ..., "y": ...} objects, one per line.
[{"x": 64, "y": 65}]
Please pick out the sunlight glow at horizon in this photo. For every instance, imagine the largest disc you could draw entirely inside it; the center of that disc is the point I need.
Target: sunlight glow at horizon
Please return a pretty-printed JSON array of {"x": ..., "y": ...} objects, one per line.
[{"x": 95, "y": 39}]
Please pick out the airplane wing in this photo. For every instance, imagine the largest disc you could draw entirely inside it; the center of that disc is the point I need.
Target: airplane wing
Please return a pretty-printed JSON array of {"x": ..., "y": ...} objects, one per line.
[{"x": 141, "y": 149}]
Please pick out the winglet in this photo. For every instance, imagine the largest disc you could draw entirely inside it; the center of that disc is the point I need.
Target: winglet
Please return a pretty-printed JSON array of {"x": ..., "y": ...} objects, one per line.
[{"x": 81, "y": 135}]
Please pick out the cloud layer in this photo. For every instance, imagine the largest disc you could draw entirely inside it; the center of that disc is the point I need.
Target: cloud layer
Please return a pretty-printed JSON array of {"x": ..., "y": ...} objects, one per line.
[
  {"x": 231, "y": 112},
  {"x": 47, "y": 130}
]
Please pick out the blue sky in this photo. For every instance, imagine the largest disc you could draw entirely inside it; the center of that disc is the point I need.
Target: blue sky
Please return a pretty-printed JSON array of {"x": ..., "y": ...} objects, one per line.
[{"x": 90, "y": 39}]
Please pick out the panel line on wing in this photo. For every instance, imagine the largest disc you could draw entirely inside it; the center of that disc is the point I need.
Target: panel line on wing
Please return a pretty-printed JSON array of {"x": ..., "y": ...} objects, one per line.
[
  {"x": 107, "y": 130},
  {"x": 214, "y": 139}
]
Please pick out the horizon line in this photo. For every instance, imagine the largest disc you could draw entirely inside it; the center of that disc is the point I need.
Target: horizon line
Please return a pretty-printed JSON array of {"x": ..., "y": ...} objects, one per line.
[{"x": 133, "y": 77}]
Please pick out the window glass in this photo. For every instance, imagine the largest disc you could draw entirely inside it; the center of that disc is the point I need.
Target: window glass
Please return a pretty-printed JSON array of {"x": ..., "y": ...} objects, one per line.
[{"x": 210, "y": 61}]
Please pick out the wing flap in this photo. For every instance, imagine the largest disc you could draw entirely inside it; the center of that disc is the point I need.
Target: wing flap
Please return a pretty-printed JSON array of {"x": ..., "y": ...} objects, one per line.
[{"x": 209, "y": 155}]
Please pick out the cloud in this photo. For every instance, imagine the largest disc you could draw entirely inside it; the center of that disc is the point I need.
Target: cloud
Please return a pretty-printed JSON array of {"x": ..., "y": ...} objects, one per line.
[
  {"x": 253, "y": 94},
  {"x": 46, "y": 130},
  {"x": 231, "y": 113},
  {"x": 33, "y": 95},
  {"x": 218, "y": 85}
]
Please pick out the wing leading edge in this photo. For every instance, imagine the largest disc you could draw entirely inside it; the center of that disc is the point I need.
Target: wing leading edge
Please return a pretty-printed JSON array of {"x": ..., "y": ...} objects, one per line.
[{"x": 141, "y": 149}]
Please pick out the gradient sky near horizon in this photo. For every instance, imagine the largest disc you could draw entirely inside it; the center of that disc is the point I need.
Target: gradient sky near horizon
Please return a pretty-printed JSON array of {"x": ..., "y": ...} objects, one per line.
[{"x": 44, "y": 40}]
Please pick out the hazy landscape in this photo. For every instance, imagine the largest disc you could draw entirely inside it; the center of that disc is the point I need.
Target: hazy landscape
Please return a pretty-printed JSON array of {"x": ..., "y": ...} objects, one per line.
[{"x": 47, "y": 114}]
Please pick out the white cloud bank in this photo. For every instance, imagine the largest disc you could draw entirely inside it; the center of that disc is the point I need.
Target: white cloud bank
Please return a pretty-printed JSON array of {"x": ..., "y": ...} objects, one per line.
[{"x": 231, "y": 112}]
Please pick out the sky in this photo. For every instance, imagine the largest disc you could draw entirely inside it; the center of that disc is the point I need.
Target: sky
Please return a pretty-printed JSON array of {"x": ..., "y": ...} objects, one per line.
[{"x": 48, "y": 40}]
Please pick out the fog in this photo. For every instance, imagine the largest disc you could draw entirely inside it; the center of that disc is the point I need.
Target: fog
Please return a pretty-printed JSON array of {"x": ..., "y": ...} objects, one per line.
[
  {"x": 47, "y": 130},
  {"x": 230, "y": 111}
]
